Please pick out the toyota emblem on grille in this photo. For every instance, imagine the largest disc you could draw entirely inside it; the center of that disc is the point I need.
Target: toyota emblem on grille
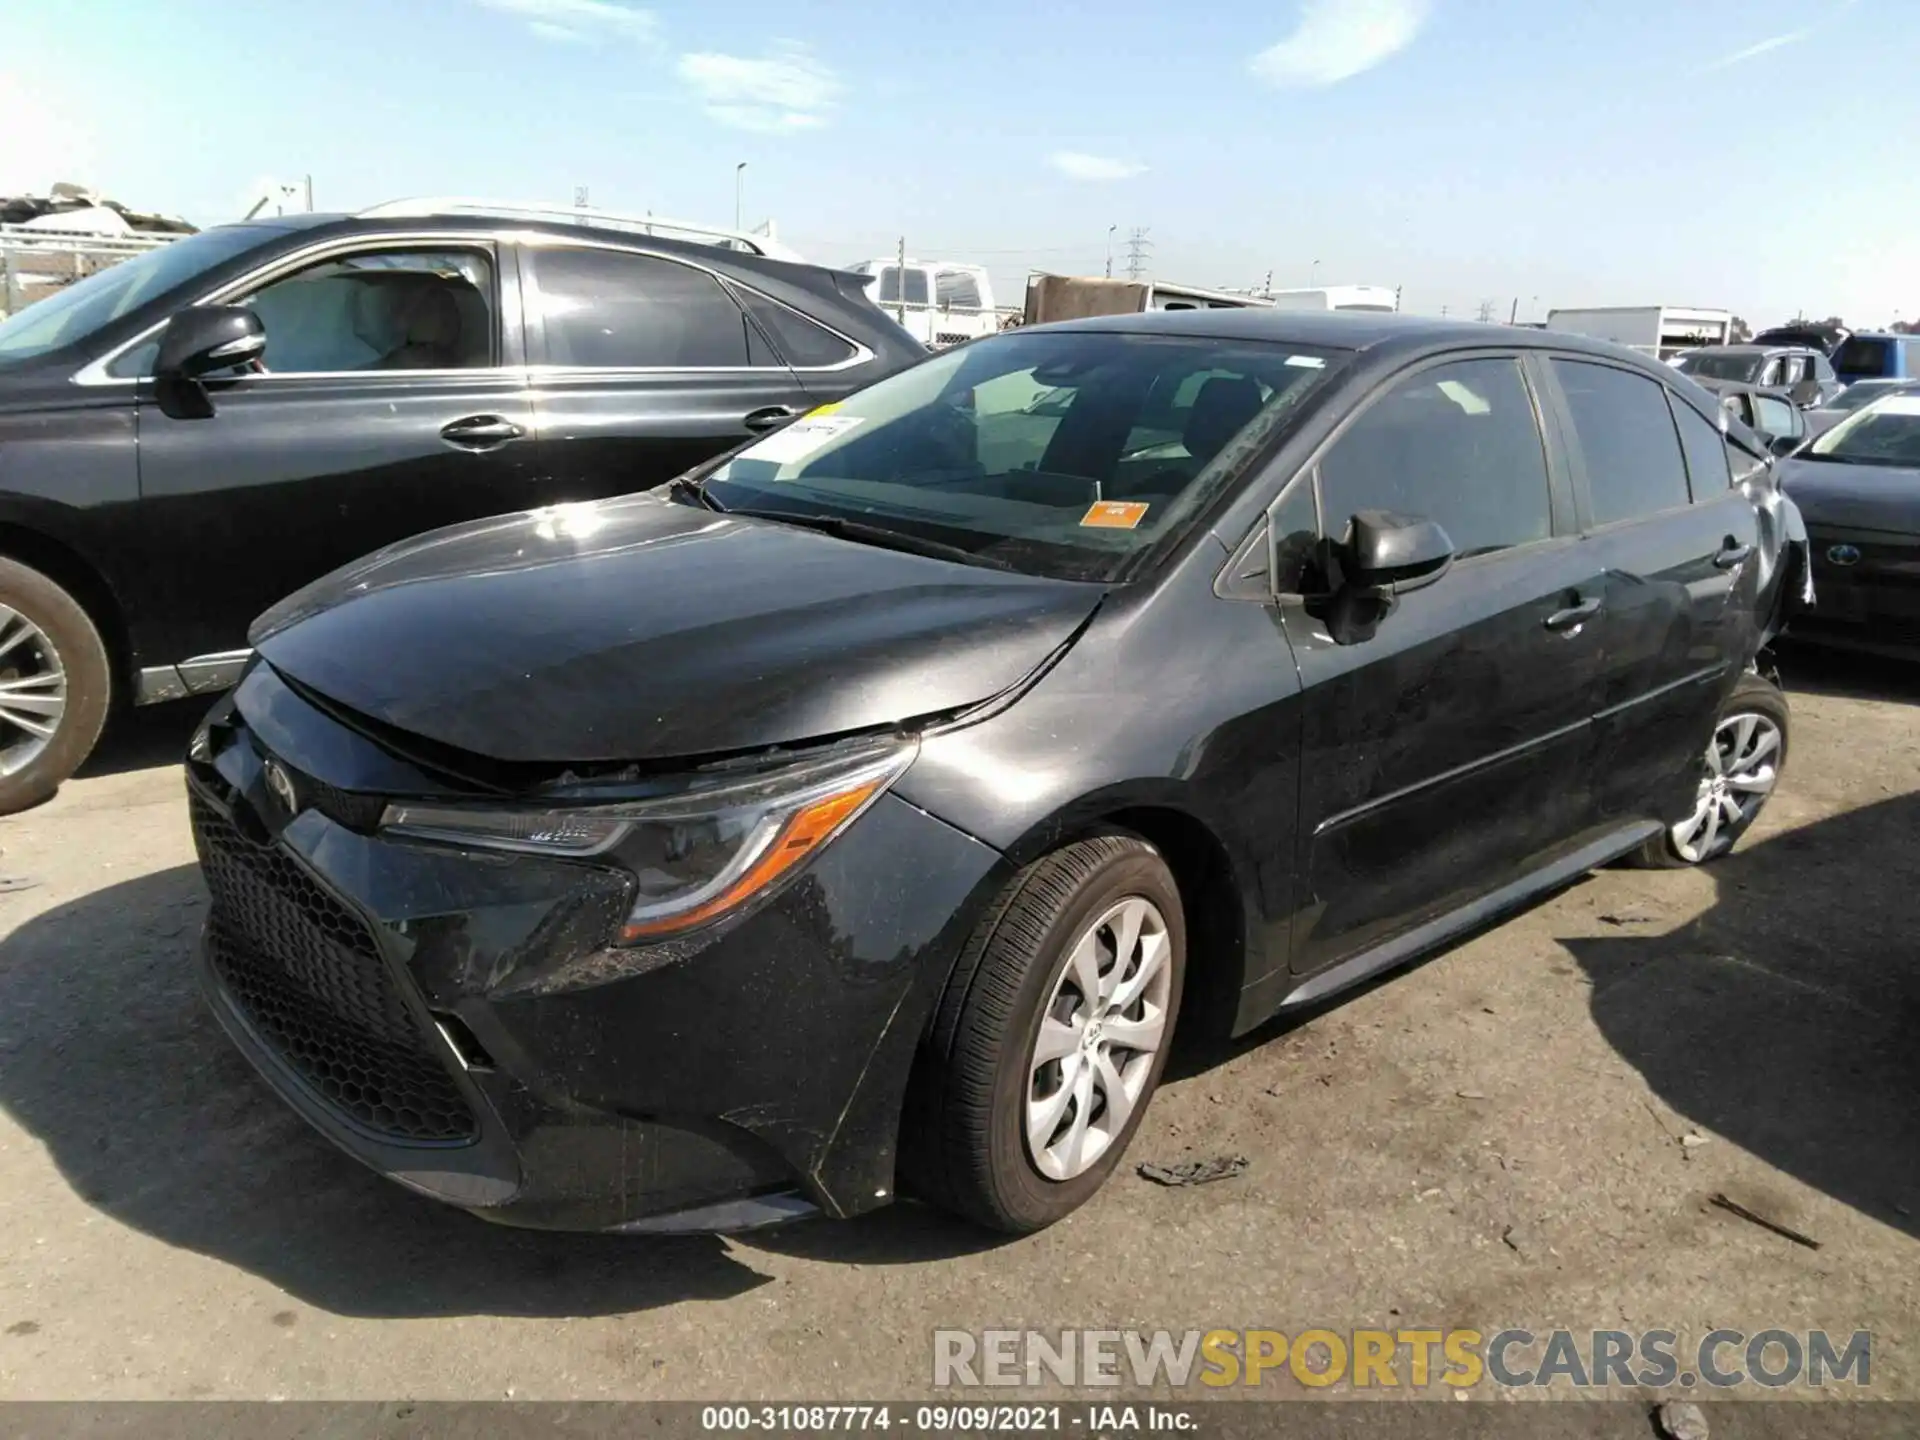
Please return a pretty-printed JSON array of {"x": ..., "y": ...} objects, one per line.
[
  {"x": 1844, "y": 554},
  {"x": 281, "y": 784}
]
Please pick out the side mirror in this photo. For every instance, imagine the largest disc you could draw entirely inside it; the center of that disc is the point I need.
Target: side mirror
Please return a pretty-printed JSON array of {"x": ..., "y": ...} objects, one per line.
[
  {"x": 1783, "y": 444},
  {"x": 1393, "y": 553},
  {"x": 202, "y": 339},
  {"x": 1806, "y": 394}
]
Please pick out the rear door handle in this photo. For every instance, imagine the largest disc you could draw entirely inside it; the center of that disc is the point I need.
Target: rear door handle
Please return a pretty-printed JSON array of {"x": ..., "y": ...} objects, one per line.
[
  {"x": 1574, "y": 616},
  {"x": 767, "y": 418},
  {"x": 481, "y": 432},
  {"x": 1733, "y": 555}
]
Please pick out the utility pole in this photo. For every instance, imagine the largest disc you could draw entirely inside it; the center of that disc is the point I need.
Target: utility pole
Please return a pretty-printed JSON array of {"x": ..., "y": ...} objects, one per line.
[
  {"x": 309, "y": 194},
  {"x": 739, "y": 181},
  {"x": 1396, "y": 298},
  {"x": 1513, "y": 315},
  {"x": 900, "y": 279},
  {"x": 1139, "y": 247},
  {"x": 1110, "y": 230},
  {"x": 1485, "y": 313},
  {"x": 579, "y": 197}
]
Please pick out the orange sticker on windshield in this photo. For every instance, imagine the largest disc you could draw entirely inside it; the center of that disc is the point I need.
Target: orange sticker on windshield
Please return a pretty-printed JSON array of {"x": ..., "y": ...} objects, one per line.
[{"x": 1115, "y": 514}]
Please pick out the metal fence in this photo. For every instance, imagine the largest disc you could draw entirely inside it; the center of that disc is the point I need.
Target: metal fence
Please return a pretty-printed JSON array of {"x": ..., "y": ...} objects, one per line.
[{"x": 35, "y": 262}]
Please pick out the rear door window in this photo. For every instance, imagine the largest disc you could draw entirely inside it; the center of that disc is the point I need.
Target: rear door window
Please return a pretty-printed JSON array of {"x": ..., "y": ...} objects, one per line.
[
  {"x": 1458, "y": 444},
  {"x": 1632, "y": 451},
  {"x": 616, "y": 310},
  {"x": 1706, "y": 452}
]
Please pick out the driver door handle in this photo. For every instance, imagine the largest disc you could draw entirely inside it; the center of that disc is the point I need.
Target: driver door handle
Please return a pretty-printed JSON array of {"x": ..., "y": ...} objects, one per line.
[
  {"x": 1574, "y": 616},
  {"x": 481, "y": 432},
  {"x": 768, "y": 417},
  {"x": 1732, "y": 555}
]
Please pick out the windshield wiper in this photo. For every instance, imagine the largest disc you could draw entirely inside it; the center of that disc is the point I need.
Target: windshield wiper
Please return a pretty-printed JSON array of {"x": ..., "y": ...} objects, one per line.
[
  {"x": 877, "y": 535},
  {"x": 683, "y": 488}
]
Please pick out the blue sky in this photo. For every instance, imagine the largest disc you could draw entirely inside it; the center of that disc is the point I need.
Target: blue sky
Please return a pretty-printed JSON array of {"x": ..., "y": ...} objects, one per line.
[{"x": 1745, "y": 153}]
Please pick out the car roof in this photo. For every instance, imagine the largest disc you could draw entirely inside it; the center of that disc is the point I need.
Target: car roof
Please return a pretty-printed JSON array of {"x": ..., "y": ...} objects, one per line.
[
  {"x": 1756, "y": 350},
  {"x": 1339, "y": 330}
]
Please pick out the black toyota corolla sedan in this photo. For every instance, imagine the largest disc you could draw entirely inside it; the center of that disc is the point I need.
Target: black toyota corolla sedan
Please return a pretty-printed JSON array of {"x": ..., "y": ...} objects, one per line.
[{"x": 863, "y": 810}]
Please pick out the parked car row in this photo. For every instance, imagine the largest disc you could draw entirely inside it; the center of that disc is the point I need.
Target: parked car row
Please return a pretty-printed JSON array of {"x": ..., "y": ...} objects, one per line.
[{"x": 189, "y": 435}]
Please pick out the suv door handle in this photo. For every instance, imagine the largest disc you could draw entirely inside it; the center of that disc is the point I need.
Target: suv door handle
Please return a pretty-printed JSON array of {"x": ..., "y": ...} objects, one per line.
[
  {"x": 1574, "y": 616},
  {"x": 1732, "y": 555},
  {"x": 481, "y": 432},
  {"x": 767, "y": 418}
]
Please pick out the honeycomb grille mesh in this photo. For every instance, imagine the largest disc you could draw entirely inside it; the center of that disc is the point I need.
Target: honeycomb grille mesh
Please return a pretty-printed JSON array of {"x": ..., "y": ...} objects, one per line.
[{"x": 307, "y": 974}]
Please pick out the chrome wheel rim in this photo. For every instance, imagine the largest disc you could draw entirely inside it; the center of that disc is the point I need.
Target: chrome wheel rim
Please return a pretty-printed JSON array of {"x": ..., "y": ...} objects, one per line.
[
  {"x": 1102, "y": 1027},
  {"x": 33, "y": 691},
  {"x": 1743, "y": 763}
]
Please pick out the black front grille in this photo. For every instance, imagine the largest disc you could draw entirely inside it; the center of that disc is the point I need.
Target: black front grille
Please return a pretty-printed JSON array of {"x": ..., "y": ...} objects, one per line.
[{"x": 309, "y": 977}]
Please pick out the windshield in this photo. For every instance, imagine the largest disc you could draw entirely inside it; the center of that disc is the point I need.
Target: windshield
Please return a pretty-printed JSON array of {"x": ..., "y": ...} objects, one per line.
[
  {"x": 68, "y": 316},
  {"x": 1863, "y": 393},
  {"x": 1884, "y": 434},
  {"x": 1858, "y": 357},
  {"x": 1065, "y": 454},
  {"x": 1719, "y": 365}
]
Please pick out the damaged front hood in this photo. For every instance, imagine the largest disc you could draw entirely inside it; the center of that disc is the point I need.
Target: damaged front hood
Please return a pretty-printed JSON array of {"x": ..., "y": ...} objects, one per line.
[{"x": 638, "y": 629}]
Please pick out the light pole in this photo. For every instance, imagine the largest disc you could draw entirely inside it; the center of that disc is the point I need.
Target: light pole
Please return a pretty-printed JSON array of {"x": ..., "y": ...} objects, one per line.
[
  {"x": 739, "y": 181},
  {"x": 1313, "y": 277},
  {"x": 1110, "y": 230}
]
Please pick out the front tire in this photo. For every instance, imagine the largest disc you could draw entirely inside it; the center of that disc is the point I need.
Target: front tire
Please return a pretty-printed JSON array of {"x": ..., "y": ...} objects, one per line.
[
  {"x": 1051, "y": 1038},
  {"x": 55, "y": 684},
  {"x": 1745, "y": 758}
]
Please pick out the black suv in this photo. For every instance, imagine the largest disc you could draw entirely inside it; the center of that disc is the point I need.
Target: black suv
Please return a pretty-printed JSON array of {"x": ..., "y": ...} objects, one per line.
[
  {"x": 186, "y": 437},
  {"x": 865, "y": 811}
]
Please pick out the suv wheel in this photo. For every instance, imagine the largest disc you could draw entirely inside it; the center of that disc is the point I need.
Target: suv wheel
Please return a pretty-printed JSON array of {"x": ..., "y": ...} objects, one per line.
[
  {"x": 1051, "y": 1037},
  {"x": 54, "y": 684},
  {"x": 1744, "y": 760}
]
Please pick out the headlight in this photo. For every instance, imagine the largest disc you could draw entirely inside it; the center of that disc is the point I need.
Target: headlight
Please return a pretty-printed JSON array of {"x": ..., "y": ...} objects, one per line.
[{"x": 695, "y": 854}]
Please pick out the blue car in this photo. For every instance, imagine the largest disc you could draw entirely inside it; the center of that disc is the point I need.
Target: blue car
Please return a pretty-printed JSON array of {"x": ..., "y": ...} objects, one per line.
[{"x": 1877, "y": 356}]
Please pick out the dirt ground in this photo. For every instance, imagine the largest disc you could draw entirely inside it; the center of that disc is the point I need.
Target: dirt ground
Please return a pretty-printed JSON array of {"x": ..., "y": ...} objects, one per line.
[{"x": 1492, "y": 1138}]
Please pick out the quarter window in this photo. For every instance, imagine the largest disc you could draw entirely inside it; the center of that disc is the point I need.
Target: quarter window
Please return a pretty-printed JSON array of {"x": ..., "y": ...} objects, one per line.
[
  {"x": 611, "y": 309},
  {"x": 1458, "y": 444},
  {"x": 1633, "y": 461},
  {"x": 1706, "y": 452},
  {"x": 802, "y": 343}
]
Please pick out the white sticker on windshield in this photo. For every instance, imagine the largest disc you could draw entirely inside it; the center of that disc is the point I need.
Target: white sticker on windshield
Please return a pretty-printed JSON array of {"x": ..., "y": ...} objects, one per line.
[
  {"x": 1897, "y": 405},
  {"x": 802, "y": 438},
  {"x": 1307, "y": 362}
]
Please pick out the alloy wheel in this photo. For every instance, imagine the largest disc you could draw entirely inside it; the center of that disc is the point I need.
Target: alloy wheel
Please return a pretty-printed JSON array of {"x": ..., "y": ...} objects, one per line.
[
  {"x": 1103, "y": 1024},
  {"x": 1742, "y": 766},
  {"x": 33, "y": 691}
]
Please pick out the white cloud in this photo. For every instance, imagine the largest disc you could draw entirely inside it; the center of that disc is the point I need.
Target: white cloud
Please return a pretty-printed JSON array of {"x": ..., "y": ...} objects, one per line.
[
  {"x": 1337, "y": 39},
  {"x": 1078, "y": 166},
  {"x": 575, "y": 21},
  {"x": 786, "y": 89},
  {"x": 1759, "y": 47}
]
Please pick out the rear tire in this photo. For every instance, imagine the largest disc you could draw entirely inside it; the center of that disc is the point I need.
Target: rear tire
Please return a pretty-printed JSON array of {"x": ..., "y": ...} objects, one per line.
[
  {"x": 1745, "y": 759},
  {"x": 55, "y": 686},
  {"x": 1105, "y": 908}
]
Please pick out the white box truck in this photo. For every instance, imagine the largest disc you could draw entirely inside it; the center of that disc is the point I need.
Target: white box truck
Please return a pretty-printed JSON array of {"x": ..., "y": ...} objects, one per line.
[{"x": 1662, "y": 331}]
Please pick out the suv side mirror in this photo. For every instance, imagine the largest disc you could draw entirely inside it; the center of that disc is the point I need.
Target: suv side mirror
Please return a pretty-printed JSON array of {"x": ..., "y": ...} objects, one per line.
[
  {"x": 1806, "y": 394},
  {"x": 204, "y": 338},
  {"x": 1395, "y": 553},
  {"x": 1783, "y": 444}
]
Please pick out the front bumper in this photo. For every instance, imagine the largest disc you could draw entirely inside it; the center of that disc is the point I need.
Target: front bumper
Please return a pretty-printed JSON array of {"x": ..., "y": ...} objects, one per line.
[
  {"x": 458, "y": 1020},
  {"x": 1867, "y": 593}
]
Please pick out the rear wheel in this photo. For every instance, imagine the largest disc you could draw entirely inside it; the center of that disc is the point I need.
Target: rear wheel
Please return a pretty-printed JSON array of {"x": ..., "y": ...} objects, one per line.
[
  {"x": 54, "y": 686},
  {"x": 1744, "y": 760},
  {"x": 1052, "y": 1037}
]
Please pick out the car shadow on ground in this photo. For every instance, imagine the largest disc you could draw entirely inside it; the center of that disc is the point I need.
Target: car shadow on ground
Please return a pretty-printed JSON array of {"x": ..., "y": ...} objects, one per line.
[
  {"x": 110, "y": 1059},
  {"x": 149, "y": 736},
  {"x": 1783, "y": 1018},
  {"x": 1844, "y": 674}
]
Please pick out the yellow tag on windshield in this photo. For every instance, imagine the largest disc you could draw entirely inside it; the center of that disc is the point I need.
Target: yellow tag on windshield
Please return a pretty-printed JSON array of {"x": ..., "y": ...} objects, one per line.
[{"x": 827, "y": 409}]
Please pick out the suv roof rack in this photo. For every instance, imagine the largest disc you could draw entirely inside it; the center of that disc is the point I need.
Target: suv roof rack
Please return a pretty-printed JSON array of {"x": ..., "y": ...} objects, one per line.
[{"x": 649, "y": 224}]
